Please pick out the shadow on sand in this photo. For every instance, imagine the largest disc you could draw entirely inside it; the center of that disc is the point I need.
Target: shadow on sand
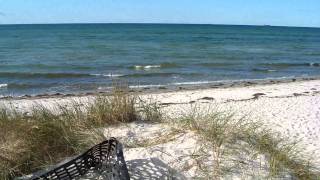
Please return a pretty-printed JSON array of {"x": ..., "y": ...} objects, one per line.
[
  {"x": 141, "y": 169},
  {"x": 151, "y": 169}
]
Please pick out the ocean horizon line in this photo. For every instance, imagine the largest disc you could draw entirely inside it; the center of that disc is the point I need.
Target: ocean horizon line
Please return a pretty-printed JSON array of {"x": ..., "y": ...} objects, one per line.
[{"x": 151, "y": 23}]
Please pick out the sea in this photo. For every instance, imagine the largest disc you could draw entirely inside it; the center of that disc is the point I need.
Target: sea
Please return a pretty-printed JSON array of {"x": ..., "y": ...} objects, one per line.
[{"x": 82, "y": 58}]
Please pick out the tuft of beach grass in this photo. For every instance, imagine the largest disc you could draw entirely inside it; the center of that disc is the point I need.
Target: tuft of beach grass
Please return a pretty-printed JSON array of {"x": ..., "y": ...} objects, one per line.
[
  {"x": 222, "y": 132},
  {"x": 31, "y": 141}
]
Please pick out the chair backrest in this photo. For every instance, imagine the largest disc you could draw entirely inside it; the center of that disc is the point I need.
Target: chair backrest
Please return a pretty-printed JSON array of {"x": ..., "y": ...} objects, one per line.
[{"x": 107, "y": 155}]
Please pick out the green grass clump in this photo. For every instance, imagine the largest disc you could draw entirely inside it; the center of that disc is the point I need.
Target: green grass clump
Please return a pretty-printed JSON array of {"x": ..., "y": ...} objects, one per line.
[
  {"x": 150, "y": 111},
  {"x": 113, "y": 111},
  {"x": 29, "y": 143},
  {"x": 283, "y": 155},
  {"x": 32, "y": 141},
  {"x": 222, "y": 131}
]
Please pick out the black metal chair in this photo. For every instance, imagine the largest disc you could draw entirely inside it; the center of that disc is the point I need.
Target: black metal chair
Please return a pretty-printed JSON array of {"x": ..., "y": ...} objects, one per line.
[{"x": 106, "y": 156}]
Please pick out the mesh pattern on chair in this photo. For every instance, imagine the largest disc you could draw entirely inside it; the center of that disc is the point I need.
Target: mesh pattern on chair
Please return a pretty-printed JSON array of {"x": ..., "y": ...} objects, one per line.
[{"x": 107, "y": 155}]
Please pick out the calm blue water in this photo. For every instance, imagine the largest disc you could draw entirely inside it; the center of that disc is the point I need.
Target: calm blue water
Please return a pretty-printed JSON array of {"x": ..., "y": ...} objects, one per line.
[{"x": 37, "y": 59}]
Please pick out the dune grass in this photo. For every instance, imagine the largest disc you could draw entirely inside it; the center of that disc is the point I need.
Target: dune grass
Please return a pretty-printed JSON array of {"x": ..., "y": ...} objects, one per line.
[
  {"x": 221, "y": 131},
  {"x": 118, "y": 108},
  {"x": 44, "y": 136},
  {"x": 32, "y": 141},
  {"x": 150, "y": 110},
  {"x": 283, "y": 155}
]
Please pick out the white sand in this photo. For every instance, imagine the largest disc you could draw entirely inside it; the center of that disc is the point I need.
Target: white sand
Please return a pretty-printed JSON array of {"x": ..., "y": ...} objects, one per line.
[{"x": 293, "y": 109}]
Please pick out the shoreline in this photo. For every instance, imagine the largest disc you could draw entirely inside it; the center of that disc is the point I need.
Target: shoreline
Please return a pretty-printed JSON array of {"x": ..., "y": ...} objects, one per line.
[{"x": 156, "y": 89}]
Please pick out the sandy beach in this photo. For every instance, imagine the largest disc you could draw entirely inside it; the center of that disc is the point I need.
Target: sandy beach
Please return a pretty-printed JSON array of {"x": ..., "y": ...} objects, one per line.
[
  {"x": 292, "y": 109},
  {"x": 168, "y": 90}
]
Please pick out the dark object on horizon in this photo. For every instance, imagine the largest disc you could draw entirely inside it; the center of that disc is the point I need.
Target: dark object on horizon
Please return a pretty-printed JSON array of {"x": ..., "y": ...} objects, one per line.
[{"x": 106, "y": 157}]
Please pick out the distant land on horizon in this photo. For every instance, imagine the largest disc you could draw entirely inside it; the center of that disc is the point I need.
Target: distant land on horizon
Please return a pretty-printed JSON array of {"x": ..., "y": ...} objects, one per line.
[{"x": 138, "y": 23}]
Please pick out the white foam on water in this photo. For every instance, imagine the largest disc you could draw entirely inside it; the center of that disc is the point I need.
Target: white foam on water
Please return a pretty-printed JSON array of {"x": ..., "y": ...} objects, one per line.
[
  {"x": 3, "y": 85},
  {"x": 108, "y": 75},
  {"x": 147, "y": 66},
  {"x": 314, "y": 64},
  {"x": 229, "y": 81}
]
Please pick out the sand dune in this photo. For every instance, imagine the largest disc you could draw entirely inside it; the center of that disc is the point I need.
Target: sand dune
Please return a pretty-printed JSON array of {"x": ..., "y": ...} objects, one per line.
[{"x": 292, "y": 109}]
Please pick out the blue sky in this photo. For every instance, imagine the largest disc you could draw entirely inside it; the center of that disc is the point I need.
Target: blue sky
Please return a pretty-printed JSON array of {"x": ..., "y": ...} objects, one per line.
[{"x": 251, "y": 12}]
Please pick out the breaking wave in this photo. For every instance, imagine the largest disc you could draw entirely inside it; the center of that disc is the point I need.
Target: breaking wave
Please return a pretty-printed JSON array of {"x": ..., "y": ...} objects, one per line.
[
  {"x": 157, "y": 66},
  {"x": 3, "y": 85}
]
